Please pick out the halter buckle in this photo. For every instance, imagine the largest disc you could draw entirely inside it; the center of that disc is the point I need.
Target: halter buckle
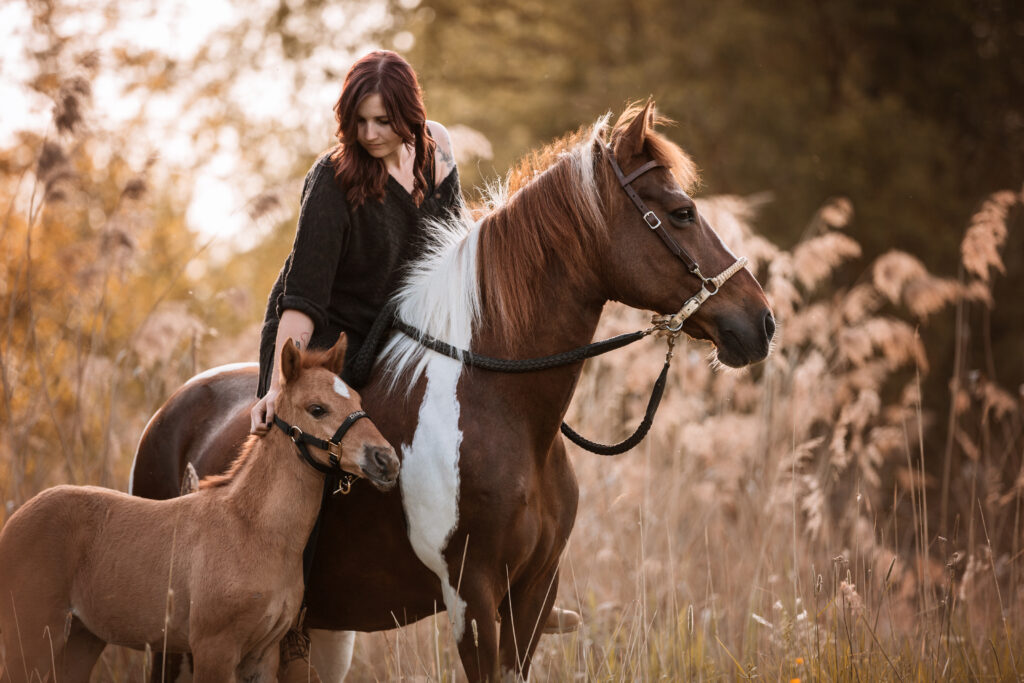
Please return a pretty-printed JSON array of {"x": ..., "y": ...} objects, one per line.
[
  {"x": 652, "y": 220},
  {"x": 344, "y": 485}
]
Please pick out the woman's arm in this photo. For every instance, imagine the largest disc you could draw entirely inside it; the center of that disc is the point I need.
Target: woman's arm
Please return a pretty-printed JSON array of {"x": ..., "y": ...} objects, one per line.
[
  {"x": 294, "y": 325},
  {"x": 443, "y": 156}
]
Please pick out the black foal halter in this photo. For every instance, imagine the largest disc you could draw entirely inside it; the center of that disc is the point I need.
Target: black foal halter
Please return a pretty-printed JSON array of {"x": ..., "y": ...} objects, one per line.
[{"x": 303, "y": 440}]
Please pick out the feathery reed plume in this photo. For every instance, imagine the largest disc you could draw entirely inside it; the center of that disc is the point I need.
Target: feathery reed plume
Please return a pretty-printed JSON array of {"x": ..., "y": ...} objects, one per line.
[
  {"x": 986, "y": 235},
  {"x": 902, "y": 278},
  {"x": 815, "y": 259},
  {"x": 71, "y": 100}
]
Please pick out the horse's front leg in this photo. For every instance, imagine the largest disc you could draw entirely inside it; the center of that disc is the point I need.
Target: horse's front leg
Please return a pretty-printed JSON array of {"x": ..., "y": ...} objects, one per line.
[
  {"x": 523, "y": 614},
  {"x": 475, "y": 632}
]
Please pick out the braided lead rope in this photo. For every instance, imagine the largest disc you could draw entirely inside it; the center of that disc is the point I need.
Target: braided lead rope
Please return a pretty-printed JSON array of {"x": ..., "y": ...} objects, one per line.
[
  {"x": 674, "y": 323},
  {"x": 556, "y": 360}
]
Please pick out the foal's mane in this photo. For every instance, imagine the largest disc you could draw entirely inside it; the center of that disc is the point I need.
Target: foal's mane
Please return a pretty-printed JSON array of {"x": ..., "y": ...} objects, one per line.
[
  {"x": 310, "y": 358},
  {"x": 548, "y": 213}
]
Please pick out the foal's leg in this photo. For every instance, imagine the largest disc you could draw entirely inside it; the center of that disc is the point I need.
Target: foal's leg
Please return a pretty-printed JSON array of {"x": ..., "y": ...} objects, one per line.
[
  {"x": 81, "y": 652},
  {"x": 33, "y": 641},
  {"x": 523, "y": 613},
  {"x": 214, "y": 659}
]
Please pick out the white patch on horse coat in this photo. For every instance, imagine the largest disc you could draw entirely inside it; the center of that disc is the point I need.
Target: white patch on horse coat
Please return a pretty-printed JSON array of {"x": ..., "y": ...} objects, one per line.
[
  {"x": 330, "y": 653},
  {"x": 430, "y": 479},
  {"x": 341, "y": 388},
  {"x": 221, "y": 369}
]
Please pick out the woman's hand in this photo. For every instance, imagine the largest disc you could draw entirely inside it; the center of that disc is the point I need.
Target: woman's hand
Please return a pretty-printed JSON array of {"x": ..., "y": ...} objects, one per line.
[{"x": 262, "y": 415}]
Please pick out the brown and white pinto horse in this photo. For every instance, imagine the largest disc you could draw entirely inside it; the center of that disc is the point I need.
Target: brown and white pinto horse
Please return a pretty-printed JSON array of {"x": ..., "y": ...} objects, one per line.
[{"x": 488, "y": 496}]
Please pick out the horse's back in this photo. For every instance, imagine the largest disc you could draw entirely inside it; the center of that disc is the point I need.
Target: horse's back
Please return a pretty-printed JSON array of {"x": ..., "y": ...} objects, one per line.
[{"x": 205, "y": 422}]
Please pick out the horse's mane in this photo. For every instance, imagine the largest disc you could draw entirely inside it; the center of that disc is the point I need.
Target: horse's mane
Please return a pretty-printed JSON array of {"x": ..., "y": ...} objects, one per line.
[{"x": 489, "y": 269}]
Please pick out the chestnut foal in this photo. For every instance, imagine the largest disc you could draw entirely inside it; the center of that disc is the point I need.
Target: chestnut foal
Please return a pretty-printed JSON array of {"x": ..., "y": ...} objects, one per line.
[{"x": 217, "y": 573}]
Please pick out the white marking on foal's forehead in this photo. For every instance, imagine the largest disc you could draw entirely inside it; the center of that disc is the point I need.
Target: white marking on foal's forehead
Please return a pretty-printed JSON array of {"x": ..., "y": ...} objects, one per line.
[{"x": 341, "y": 388}]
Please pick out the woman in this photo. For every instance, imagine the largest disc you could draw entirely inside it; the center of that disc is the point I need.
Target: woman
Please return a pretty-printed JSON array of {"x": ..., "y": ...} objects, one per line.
[{"x": 363, "y": 205}]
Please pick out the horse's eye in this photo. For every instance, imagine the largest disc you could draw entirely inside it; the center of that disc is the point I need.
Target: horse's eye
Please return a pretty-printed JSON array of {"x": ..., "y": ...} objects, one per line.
[
  {"x": 684, "y": 216},
  {"x": 316, "y": 411}
]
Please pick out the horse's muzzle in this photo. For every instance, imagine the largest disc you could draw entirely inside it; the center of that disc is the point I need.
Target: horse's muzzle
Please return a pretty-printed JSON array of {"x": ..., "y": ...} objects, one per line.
[{"x": 743, "y": 340}]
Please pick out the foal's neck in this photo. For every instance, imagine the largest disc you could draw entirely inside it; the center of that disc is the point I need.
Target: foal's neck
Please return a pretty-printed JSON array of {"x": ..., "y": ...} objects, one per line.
[{"x": 276, "y": 490}]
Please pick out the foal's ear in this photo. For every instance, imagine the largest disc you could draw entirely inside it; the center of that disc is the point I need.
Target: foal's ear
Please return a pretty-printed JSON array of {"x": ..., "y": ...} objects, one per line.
[
  {"x": 632, "y": 140},
  {"x": 291, "y": 361},
  {"x": 336, "y": 356}
]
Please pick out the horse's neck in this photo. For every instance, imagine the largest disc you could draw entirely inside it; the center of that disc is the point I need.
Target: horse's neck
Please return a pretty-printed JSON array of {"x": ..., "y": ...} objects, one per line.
[
  {"x": 277, "y": 491},
  {"x": 568, "y": 321}
]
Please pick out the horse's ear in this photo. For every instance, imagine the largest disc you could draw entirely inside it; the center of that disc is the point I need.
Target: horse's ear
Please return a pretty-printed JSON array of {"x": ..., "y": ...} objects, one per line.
[
  {"x": 632, "y": 140},
  {"x": 291, "y": 361},
  {"x": 336, "y": 356}
]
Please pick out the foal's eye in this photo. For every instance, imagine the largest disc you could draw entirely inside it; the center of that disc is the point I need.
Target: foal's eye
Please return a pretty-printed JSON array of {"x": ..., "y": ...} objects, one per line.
[
  {"x": 685, "y": 216},
  {"x": 316, "y": 411}
]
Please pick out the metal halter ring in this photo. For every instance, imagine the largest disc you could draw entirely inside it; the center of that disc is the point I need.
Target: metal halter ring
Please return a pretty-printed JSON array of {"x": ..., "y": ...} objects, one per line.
[{"x": 295, "y": 433}]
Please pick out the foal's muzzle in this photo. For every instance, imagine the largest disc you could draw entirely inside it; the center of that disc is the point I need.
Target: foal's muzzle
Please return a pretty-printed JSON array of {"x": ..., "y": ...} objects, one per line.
[{"x": 380, "y": 466}]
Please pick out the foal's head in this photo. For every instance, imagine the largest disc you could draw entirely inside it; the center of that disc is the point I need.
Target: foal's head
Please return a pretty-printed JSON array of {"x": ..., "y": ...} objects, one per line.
[
  {"x": 315, "y": 399},
  {"x": 640, "y": 269}
]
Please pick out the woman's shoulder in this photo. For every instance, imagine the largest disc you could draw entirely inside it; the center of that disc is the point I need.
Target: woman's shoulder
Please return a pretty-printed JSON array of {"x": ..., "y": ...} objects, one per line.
[
  {"x": 320, "y": 177},
  {"x": 444, "y": 157}
]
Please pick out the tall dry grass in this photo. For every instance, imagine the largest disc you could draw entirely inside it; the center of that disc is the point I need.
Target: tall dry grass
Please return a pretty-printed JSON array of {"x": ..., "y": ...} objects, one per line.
[{"x": 793, "y": 520}]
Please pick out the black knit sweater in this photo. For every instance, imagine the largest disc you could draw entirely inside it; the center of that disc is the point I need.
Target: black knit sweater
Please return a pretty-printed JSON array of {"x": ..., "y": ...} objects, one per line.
[{"x": 345, "y": 264}]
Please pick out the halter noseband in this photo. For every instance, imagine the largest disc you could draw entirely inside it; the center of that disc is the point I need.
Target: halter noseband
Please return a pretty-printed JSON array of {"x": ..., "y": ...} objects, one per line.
[
  {"x": 673, "y": 323},
  {"x": 332, "y": 447}
]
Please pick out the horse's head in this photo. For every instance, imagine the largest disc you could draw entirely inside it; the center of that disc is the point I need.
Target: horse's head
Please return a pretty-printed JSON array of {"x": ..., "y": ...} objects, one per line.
[
  {"x": 643, "y": 269},
  {"x": 315, "y": 399}
]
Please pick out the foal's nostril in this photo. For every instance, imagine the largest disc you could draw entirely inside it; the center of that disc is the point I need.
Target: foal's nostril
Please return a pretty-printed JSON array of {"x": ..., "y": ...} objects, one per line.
[
  {"x": 769, "y": 325},
  {"x": 382, "y": 459}
]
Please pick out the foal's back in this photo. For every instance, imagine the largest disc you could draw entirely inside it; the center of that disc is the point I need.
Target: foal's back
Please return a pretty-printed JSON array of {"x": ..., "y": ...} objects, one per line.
[{"x": 107, "y": 554}]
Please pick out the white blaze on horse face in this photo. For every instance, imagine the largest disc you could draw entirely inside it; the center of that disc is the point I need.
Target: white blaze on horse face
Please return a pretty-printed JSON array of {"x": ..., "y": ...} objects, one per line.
[
  {"x": 341, "y": 388},
  {"x": 430, "y": 479}
]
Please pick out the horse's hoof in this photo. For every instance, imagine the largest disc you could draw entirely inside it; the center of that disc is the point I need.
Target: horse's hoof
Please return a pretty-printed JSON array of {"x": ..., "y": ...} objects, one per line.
[{"x": 562, "y": 621}]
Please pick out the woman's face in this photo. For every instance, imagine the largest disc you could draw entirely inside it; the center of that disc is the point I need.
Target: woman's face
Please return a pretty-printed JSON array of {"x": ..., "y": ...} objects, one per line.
[{"x": 374, "y": 127}]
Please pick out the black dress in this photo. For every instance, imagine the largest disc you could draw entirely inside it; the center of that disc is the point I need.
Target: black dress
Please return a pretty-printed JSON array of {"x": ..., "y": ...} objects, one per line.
[{"x": 345, "y": 264}]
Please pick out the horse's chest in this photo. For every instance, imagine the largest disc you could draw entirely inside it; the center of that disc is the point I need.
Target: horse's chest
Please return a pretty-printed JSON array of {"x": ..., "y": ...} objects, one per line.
[{"x": 430, "y": 464}]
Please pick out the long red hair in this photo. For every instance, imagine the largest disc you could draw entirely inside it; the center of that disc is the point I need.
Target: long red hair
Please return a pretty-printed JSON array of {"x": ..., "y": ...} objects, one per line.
[{"x": 385, "y": 73}]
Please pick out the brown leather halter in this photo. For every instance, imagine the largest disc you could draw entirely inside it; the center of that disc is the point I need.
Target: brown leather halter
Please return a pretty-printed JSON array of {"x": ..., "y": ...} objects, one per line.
[{"x": 675, "y": 322}]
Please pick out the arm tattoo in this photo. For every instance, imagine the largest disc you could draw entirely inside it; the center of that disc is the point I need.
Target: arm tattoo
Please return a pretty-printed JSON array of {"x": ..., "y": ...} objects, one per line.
[
  {"x": 303, "y": 341},
  {"x": 446, "y": 157}
]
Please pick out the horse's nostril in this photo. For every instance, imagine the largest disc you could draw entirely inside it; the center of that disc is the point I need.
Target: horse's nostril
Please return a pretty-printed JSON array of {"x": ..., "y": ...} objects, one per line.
[
  {"x": 382, "y": 458},
  {"x": 769, "y": 325}
]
